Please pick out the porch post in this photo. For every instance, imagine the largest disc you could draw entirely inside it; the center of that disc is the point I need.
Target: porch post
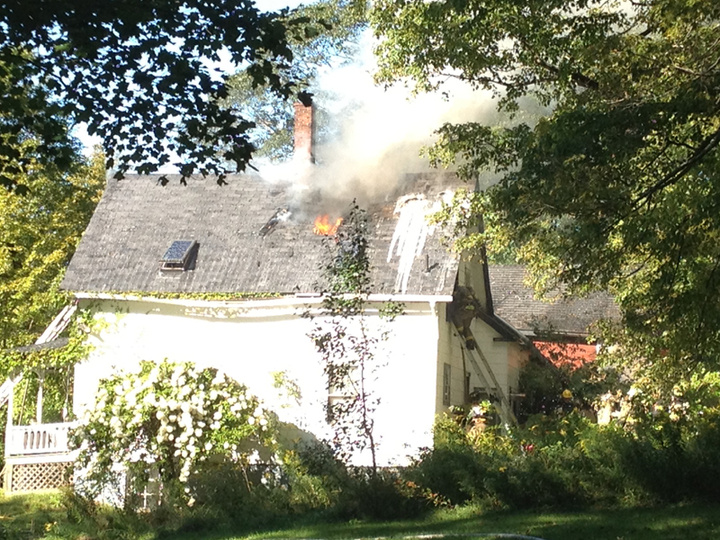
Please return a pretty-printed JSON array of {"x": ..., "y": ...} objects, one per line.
[
  {"x": 10, "y": 413},
  {"x": 7, "y": 479},
  {"x": 39, "y": 410}
]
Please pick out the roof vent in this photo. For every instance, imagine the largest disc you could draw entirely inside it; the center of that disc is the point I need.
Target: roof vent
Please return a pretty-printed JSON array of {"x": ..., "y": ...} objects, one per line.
[{"x": 180, "y": 256}]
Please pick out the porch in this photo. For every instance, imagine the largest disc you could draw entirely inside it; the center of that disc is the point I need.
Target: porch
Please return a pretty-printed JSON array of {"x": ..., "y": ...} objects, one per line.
[
  {"x": 37, "y": 457},
  {"x": 36, "y": 453}
]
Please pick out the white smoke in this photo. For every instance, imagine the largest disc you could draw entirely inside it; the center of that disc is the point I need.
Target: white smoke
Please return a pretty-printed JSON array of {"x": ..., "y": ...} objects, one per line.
[{"x": 381, "y": 137}]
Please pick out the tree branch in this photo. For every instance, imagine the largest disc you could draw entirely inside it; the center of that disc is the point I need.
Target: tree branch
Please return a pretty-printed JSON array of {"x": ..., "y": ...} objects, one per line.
[
  {"x": 707, "y": 145},
  {"x": 578, "y": 78}
]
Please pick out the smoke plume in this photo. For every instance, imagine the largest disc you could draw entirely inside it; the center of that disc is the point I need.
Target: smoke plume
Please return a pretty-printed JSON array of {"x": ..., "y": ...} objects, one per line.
[{"x": 380, "y": 132}]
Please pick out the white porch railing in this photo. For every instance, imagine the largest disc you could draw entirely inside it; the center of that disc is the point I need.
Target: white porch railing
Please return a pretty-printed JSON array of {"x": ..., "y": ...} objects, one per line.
[{"x": 38, "y": 439}]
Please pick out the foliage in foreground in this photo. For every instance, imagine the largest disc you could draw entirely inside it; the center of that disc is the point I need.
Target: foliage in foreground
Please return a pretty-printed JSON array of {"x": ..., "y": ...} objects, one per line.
[
  {"x": 142, "y": 75},
  {"x": 171, "y": 418},
  {"x": 61, "y": 516},
  {"x": 38, "y": 234},
  {"x": 616, "y": 184},
  {"x": 571, "y": 462},
  {"x": 559, "y": 463},
  {"x": 654, "y": 452}
]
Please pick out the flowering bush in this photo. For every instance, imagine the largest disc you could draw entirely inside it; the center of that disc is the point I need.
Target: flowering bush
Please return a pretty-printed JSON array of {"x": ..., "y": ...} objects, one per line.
[{"x": 170, "y": 417}]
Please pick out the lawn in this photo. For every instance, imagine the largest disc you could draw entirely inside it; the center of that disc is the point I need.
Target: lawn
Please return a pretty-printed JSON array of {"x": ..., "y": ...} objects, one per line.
[
  {"x": 676, "y": 522},
  {"x": 44, "y": 516}
]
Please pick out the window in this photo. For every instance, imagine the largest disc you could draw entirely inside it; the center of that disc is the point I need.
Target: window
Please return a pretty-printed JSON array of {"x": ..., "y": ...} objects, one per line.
[
  {"x": 342, "y": 392},
  {"x": 180, "y": 256},
  {"x": 446, "y": 384}
]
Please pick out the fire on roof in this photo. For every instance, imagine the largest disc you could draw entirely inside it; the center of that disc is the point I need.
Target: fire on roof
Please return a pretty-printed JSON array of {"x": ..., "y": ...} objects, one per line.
[{"x": 325, "y": 226}]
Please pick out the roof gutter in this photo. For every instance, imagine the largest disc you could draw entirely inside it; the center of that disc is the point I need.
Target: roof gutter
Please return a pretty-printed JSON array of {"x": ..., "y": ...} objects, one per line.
[{"x": 285, "y": 301}]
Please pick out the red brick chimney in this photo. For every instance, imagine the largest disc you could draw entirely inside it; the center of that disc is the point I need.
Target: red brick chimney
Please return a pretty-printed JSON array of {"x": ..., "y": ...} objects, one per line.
[{"x": 304, "y": 132}]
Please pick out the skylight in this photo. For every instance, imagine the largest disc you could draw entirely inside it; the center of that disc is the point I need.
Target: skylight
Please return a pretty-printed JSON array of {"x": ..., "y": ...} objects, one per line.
[{"x": 180, "y": 256}]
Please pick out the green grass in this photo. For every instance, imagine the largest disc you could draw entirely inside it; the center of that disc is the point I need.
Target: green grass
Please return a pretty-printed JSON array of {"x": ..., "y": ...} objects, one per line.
[
  {"x": 696, "y": 522},
  {"x": 30, "y": 516},
  {"x": 36, "y": 516}
]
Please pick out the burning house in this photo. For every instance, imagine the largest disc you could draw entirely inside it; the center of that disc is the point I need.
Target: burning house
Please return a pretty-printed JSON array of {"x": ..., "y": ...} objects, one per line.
[{"x": 220, "y": 276}]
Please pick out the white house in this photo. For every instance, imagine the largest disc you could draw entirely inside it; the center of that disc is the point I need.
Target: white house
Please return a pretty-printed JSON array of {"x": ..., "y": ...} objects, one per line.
[
  {"x": 220, "y": 275},
  {"x": 236, "y": 302}
]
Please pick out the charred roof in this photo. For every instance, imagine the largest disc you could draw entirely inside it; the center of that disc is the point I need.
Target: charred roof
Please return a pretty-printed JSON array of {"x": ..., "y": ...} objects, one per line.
[{"x": 251, "y": 237}]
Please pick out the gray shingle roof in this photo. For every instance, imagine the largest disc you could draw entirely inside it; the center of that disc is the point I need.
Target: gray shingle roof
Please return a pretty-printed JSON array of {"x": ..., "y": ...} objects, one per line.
[
  {"x": 137, "y": 220},
  {"x": 515, "y": 303}
]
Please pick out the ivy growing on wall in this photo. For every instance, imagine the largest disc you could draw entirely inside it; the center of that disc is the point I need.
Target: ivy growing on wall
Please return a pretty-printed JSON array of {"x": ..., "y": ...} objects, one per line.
[{"x": 348, "y": 342}]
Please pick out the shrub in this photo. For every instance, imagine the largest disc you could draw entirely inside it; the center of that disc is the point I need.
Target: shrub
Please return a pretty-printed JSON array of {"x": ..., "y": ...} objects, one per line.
[
  {"x": 170, "y": 418},
  {"x": 569, "y": 461},
  {"x": 319, "y": 480}
]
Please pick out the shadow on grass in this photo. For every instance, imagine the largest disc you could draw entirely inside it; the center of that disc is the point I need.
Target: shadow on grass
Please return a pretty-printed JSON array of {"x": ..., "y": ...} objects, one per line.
[
  {"x": 697, "y": 522},
  {"x": 36, "y": 516}
]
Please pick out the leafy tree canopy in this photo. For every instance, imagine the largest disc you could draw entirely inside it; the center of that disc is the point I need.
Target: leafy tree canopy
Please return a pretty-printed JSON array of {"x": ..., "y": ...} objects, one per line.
[
  {"x": 329, "y": 37},
  {"x": 38, "y": 234},
  {"x": 618, "y": 185},
  {"x": 140, "y": 75}
]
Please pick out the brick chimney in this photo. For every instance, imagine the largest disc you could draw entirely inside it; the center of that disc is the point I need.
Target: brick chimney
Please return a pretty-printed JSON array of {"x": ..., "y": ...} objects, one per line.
[{"x": 304, "y": 132}]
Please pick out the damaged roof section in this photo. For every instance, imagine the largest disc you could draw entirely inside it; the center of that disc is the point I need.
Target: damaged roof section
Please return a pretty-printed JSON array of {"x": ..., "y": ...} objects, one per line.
[{"x": 253, "y": 237}]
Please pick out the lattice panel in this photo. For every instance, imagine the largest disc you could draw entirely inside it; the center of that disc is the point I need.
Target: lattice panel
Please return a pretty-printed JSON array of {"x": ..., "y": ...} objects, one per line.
[{"x": 34, "y": 476}]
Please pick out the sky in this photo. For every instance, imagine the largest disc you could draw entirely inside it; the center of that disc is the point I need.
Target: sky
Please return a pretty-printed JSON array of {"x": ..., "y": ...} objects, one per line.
[
  {"x": 90, "y": 142},
  {"x": 385, "y": 129}
]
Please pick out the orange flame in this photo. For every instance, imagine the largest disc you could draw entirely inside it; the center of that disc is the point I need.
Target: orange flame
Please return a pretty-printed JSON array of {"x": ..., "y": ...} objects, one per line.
[{"x": 324, "y": 227}]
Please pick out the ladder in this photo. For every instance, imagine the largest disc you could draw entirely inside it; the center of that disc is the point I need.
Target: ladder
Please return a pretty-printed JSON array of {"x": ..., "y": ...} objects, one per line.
[{"x": 476, "y": 354}]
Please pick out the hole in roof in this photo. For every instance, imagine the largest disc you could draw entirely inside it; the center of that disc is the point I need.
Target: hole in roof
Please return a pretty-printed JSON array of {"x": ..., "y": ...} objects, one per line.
[{"x": 180, "y": 256}]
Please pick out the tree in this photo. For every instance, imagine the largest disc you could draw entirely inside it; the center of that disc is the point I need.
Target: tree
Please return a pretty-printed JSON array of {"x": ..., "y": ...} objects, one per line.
[
  {"x": 140, "y": 75},
  {"x": 347, "y": 340},
  {"x": 329, "y": 37},
  {"x": 38, "y": 234},
  {"x": 617, "y": 184}
]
